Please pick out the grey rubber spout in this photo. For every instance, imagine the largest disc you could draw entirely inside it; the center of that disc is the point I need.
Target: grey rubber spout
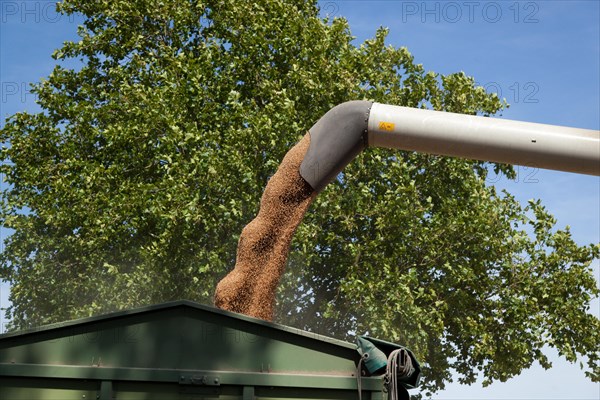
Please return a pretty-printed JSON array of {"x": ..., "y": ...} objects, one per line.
[
  {"x": 335, "y": 140},
  {"x": 350, "y": 127}
]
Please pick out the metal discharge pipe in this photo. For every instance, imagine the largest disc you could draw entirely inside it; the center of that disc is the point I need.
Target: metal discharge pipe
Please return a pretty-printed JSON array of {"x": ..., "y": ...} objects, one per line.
[{"x": 350, "y": 127}]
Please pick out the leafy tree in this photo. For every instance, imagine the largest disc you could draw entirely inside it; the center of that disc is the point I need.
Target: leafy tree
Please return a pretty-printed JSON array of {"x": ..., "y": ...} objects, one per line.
[{"x": 133, "y": 184}]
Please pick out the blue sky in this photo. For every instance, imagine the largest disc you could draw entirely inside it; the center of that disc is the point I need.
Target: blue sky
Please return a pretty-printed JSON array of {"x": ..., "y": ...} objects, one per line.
[{"x": 542, "y": 56}]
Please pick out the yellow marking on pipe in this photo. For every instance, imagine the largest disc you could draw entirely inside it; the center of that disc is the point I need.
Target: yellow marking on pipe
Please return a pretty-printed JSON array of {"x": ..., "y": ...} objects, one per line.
[{"x": 386, "y": 126}]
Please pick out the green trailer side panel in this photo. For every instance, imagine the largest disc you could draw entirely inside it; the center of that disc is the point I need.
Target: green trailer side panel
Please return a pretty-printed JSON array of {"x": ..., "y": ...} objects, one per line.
[
  {"x": 179, "y": 337},
  {"x": 35, "y": 388},
  {"x": 178, "y": 350}
]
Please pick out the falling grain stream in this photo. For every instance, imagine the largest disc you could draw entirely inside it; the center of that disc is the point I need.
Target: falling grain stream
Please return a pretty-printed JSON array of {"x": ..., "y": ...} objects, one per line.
[{"x": 264, "y": 243}]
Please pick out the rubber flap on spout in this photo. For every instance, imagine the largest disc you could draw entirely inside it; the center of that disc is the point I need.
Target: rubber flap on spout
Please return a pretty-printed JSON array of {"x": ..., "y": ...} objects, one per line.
[{"x": 335, "y": 140}]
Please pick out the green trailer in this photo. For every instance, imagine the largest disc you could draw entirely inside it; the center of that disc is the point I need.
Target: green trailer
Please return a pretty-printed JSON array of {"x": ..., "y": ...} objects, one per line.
[{"x": 185, "y": 350}]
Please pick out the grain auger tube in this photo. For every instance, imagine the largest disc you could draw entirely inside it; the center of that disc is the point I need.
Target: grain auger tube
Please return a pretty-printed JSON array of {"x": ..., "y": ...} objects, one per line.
[{"x": 347, "y": 129}]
